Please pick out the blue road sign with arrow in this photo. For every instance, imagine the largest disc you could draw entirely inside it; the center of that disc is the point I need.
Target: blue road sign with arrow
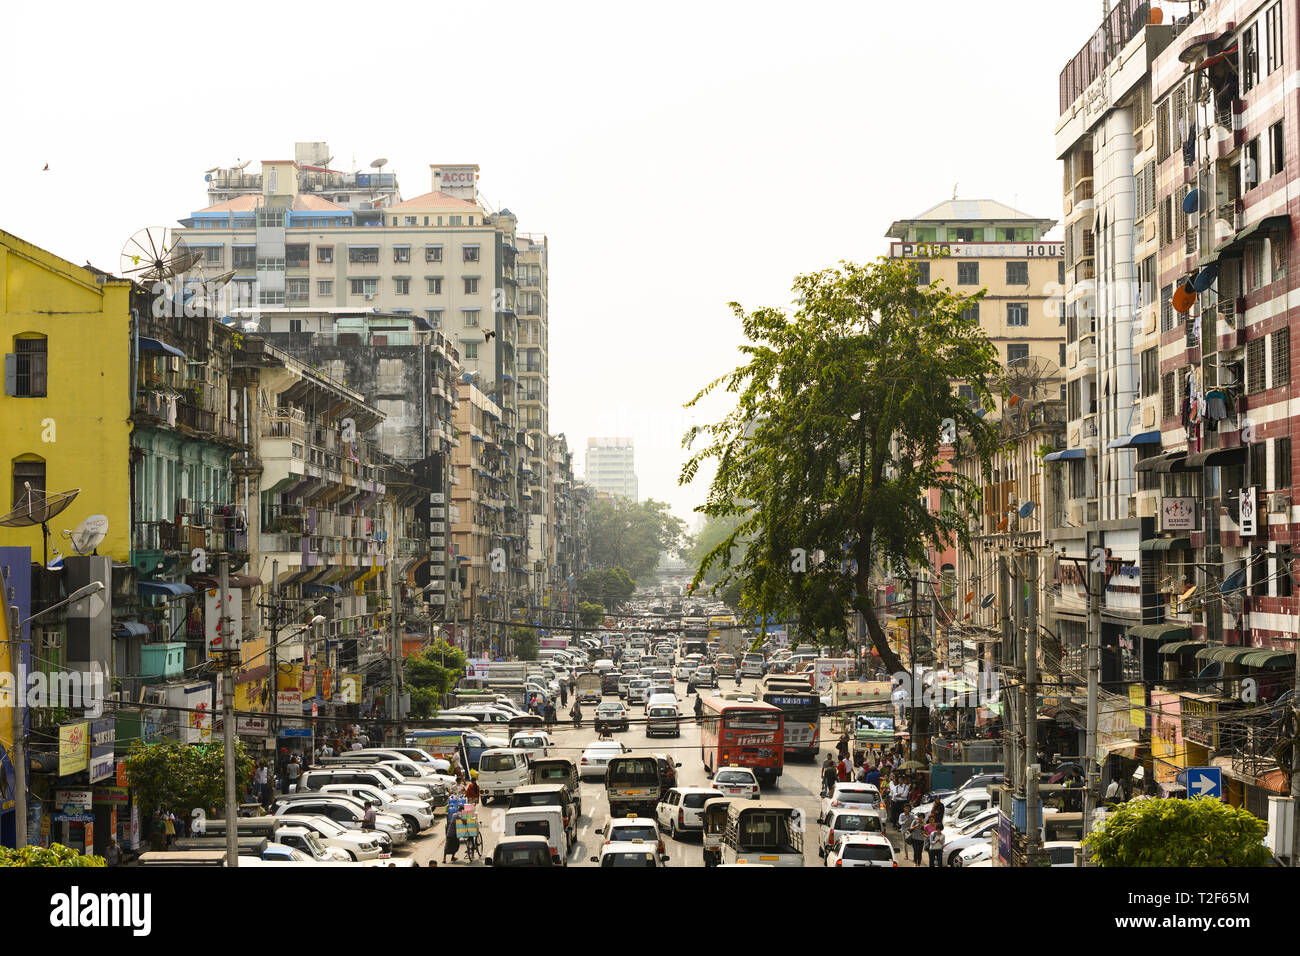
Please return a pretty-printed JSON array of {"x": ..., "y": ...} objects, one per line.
[{"x": 1205, "y": 782}]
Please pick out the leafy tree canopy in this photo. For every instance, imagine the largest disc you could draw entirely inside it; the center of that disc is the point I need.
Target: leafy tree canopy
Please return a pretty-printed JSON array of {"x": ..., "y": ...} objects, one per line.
[
  {"x": 590, "y": 614},
  {"x": 632, "y": 535},
  {"x": 431, "y": 674},
  {"x": 826, "y": 461},
  {"x": 610, "y": 586},
  {"x": 170, "y": 775},
  {"x": 525, "y": 643},
  {"x": 1198, "y": 832},
  {"x": 56, "y": 854}
]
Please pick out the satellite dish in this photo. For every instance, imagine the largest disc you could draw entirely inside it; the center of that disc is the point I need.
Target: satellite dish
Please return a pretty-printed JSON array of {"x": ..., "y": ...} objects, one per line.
[
  {"x": 1205, "y": 278},
  {"x": 987, "y": 600},
  {"x": 208, "y": 172},
  {"x": 243, "y": 164},
  {"x": 37, "y": 507},
  {"x": 1235, "y": 581},
  {"x": 88, "y": 535},
  {"x": 379, "y": 163},
  {"x": 55, "y": 563},
  {"x": 156, "y": 253},
  {"x": 1026, "y": 509}
]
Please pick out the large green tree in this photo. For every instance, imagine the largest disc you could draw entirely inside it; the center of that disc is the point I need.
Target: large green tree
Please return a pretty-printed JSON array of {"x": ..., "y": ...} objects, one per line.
[
  {"x": 826, "y": 461},
  {"x": 181, "y": 777},
  {"x": 632, "y": 535},
  {"x": 714, "y": 532},
  {"x": 610, "y": 587},
  {"x": 590, "y": 614},
  {"x": 431, "y": 674},
  {"x": 1198, "y": 832}
]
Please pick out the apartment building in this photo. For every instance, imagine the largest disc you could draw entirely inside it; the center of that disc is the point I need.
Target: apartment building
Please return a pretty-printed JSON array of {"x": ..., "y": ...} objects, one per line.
[{"x": 611, "y": 467}]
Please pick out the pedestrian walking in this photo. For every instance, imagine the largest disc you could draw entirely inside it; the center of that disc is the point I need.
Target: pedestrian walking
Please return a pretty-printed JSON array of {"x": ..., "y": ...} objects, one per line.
[
  {"x": 169, "y": 827},
  {"x": 843, "y": 745},
  {"x": 897, "y": 798},
  {"x": 368, "y": 818},
  {"x": 291, "y": 772},
  {"x": 564, "y": 694},
  {"x": 452, "y": 842},
  {"x": 936, "y": 812},
  {"x": 548, "y": 715},
  {"x": 829, "y": 775},
  {"x": 113, "y": 855},
  {"x": 916, "y": 835},
  {"x": 935, "y": 844}
]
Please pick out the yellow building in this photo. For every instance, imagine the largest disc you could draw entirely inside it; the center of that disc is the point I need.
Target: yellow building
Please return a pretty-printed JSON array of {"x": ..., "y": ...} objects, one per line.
[{"x": 66, "y": 333}]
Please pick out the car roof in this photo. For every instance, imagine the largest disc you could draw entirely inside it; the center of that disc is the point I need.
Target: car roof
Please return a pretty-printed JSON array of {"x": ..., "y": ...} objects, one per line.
[
  {"x": 700, "y": 790},
  {"x": 746, "y": 769},
  {"x": 632, "y": 822},
  {"x": 628, "y": 846},
  {"x": 542, "y": 788},
  {"x": 876, "y": 838},
  {"x": 522, "y": 839}
]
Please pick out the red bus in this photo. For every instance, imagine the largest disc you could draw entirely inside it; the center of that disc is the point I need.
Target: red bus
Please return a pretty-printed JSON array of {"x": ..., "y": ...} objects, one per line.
[{"x": 742, "y": 733}]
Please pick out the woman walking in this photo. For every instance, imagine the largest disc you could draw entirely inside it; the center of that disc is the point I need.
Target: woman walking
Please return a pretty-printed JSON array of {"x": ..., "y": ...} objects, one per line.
[
  {"x": 935, "y": 843},
  {"x": 916, "y": 835},
  {"x": 452, "y": 843}
]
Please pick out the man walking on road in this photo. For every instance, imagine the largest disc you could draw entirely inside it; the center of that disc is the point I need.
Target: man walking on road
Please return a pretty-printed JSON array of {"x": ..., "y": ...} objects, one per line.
[
  {"x": 897, "y": 798},
  {"x": 828, "y": 776}
]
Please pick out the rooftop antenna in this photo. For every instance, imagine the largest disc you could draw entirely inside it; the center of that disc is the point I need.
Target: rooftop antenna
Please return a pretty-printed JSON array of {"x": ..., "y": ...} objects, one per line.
[
  {"x": 954, "y": 190},
  {"x": 156, "y": 253}
]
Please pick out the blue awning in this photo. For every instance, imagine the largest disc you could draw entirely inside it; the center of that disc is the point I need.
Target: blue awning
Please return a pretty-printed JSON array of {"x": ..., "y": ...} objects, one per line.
[
  {"x": 153, "y": 345},
  {"x": 1145, "y": 438},
  {"x": 314, "y": 588},
  {"x": 130, "y": 629},
  {"x": 164, "y": 589},
  {"x": 1070, "y": 454}
]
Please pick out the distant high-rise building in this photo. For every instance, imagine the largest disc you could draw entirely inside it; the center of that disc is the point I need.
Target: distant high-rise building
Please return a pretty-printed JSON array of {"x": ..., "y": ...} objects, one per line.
[{"x": 611, "y": 467}]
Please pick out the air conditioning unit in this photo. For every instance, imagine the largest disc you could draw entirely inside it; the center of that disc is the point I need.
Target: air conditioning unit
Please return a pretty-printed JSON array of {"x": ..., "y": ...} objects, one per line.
[
  {"x": 184, "y": 506},
  {"x": 370, "y": 296},
  {"x": 1278, "y": 503}
]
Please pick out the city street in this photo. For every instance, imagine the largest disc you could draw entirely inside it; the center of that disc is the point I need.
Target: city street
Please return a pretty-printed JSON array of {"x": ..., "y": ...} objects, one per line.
[{"x": 800, "y": 785}]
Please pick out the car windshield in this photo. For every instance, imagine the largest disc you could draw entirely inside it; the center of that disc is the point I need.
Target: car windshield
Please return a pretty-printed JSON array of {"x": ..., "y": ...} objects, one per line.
[
  {"x": 553, "y": 773},
  {"x": 610, "y": 708},
  {"x": 662, "y": 712},
  {"x": 697, "y": 799},
  {"x": 534, "y": 799},
  {"x": 874, "y": 852},
  {"x": 734, "y": 776},
  {"x": 855, "y": 796},
  {"x": 522, "y": 856},
  {"x": 603, "y": 750},
  {"x": 632, "y": 858},
  {"x": 628, "y": 832},
  {"x": 495, "y": 762},
  {"x": 857, "y": 823},
  {"x": 540, "y": 828},
  {"x": 529, "y": 742}
]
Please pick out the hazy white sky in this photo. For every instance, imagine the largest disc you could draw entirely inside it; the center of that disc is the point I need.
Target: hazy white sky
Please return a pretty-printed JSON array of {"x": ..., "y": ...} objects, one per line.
[{"x": 679, "y": 155}]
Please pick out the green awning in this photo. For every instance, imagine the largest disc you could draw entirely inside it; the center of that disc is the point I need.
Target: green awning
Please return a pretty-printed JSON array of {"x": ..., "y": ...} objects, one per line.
[
  {"x": 1267, "y": 658},
  {"x": 1171, "y": 631},
  {"x": 1179, "y": 646},
  {"x": 1236, "y": 245},
  {"x": 1166, "y": 544},
  {"x": 1225, "y": 655}
]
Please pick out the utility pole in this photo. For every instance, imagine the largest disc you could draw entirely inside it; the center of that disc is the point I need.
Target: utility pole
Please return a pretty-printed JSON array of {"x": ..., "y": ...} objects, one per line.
[
  {"x": 1096, "y": 583},
  {"x": 275, "y": 656},
  {"x": 1032, "y": 822},
  {"x": 225, "y": 629},
  {"x": 19, "y": 745},
  {"x": 396, "y": 633},
  {"x": 911, "y": 663},
  {"x": 1004, "y": 657},
  {"x": 1014, "y": 661}
]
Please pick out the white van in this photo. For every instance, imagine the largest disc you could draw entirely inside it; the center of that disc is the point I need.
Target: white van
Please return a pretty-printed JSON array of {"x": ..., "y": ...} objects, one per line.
[
  {"x": 502, "y": 770},
  {"x": 663, "y": 716},
  {"x": 545, "y": 822}
]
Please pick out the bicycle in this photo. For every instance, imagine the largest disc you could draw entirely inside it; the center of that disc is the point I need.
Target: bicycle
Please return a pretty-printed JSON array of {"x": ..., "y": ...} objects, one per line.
[{"x": 467, "y": 832}]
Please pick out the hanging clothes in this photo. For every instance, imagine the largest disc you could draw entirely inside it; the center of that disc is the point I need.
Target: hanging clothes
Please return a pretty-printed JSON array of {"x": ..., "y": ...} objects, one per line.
[{"x": 1216, "y": 405}]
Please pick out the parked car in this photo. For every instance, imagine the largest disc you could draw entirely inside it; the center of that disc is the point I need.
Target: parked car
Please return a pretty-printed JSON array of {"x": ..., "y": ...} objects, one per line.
[
  {"x": 861, "y": 796},
  {"x": 681, "y": 809},
  {"x": 861, "y": 849},
  {"x": 842, "y": 820}
]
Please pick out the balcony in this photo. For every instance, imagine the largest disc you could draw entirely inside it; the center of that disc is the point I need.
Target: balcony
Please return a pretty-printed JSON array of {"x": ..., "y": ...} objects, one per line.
[
  {"x": 158, "y": 536},
  {"x": 1085, "y": 269},
  {"x": 191, "y": 416},
  {"x": 285, "y": 423}
]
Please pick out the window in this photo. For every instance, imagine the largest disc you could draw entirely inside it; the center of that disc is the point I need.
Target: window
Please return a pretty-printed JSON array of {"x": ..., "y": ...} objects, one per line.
[
  {"x": 1150, "y": 372},
  {"x": 433, "y": 253},
  {"x": 433, "y": 285},
  {"x": 1281, "y": 464},
  {"x": 271, "y": 264},
  {"x": 1017, "y": 273},
  {"x": 1166, "y": 308},
  {"x": 453, "y": 220},
  {"x": 1060, "y": 272},
  {"x": 426, "y": 220},
  {"x": 1017, "y": 350},
  {"x": 1281, "y": 357},
  {"x": 971, "y": 313},
  {"x": 297, "y": 290},
  {"x": 1273, "y": 21},
  {"x": 471, "y": 350},
  {"x": 1250, "y": 57},
  {"x": 1061, "y": 363},
  {"x": 25, "y": 370},
  {"x": 1079, "y": 478},
  {"x": 364, "y": 286},
  {"x": 1167, "y": 395},
  {"x": 968, "y": 273},
  {"x": 471, "y": 285},
  {"x": 966, "y": 393},
  {"x": 1258, "y": 462},
  {"x": 401, "y": 285},
  {"x": 1250, "y": 166},
  {"x": 295, "y": 325},
  {"x": 401, "y": 253},
  {"x": 1276, "y": 149},
  {"x": 965, "y": 234},
  {"x": 325, "y": 287},
  {"x": 1017, "y": 313},
  {"x": 1166, "y": 223},
  {"x": 922, "y": 270},
  {"x": 1074, "y": 399},
  {"x": 324, "y": 253},
  {"x": 434, "y": 316},
  {"x": 469, "y": 253},
  {"x": 363, "y": 254},
  {"x": 270, "y": 298},
  {"x": 411, "y": 221},
  {"x": 296, "y": 256},
  {"x": 270, "y": 218},
  {"x": 29, "y": 471},
  {"x": 1255, "y": 366},
  {"x": 244, "y": 258},
  {"x": 213, "y": 255},
  {"x": 470, "y": 316}
]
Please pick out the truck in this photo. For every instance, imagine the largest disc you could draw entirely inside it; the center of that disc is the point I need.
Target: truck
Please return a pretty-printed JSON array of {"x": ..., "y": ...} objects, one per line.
[
  {"x": 588, "y": 689},
  {"x": 507, "y": 670}
]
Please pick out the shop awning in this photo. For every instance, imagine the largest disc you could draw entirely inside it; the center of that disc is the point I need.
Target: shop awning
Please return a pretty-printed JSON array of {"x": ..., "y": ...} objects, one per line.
[
  {"x": 153, "y": 345},
  {"x": 1226, "y": 655},
  {"x": 1117, "y": 747},
  {"x": 1173, "y": 461},
  {"x": 1145, "y": 438},
  {"x": 206, "y": 582},
  {"x": 1178, "y": 646},
  {"x": 1236, "y": 245},
  {"x": 1165, "y": 544},
  {"x": 1219, "y": 457},
  {"x": 1169, "y": 630},
  {"x": 316, "y": 588},
  {"x": 130, "y": 629},
  {"x": 1267, "y": 658},
  {"x": 164, "y": 589},
  {"x": 1070, "y": 454}
]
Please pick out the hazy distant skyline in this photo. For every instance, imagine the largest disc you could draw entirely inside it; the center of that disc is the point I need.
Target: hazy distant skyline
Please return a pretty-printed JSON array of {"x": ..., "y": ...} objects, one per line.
[{"x": 678, "y": 157}]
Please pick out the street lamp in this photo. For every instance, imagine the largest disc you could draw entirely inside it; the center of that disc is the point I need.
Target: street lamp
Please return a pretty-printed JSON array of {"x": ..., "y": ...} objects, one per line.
[{"x": 16, "y": 626}]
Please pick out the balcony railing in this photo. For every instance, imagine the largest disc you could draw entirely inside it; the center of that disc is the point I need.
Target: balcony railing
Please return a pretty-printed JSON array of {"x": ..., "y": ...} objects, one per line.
[
  {"x": 198, "y": 419},
  {"x": 1084, "y": 270}
]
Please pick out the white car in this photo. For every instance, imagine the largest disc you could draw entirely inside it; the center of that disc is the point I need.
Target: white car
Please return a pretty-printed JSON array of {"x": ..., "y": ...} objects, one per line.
[
  {"x": 359, "y": 845},
  {"x": 596, "y": 756},
  {"x": 861, "y": 796},
  {"x": 736, "y": 782},
  {"x": 535, "y": 740},
  {"x": 628, "y": 829},
  {"x": 861, "y": 849},
  {"x": 636, "y": 854},
  {"x": 685, "y": 670},
  {"x": 418, "y": 814},
  {"x": 682, "y": 809},
  {"x": 967, "y": 807},
  {"x": 1061, "y": 852},
  {"x": 978, "y": 832},
  {"x": 638, "y": 690},
  {"x": 847, "y": 820},
  {"x": 974, "y": 854}
]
